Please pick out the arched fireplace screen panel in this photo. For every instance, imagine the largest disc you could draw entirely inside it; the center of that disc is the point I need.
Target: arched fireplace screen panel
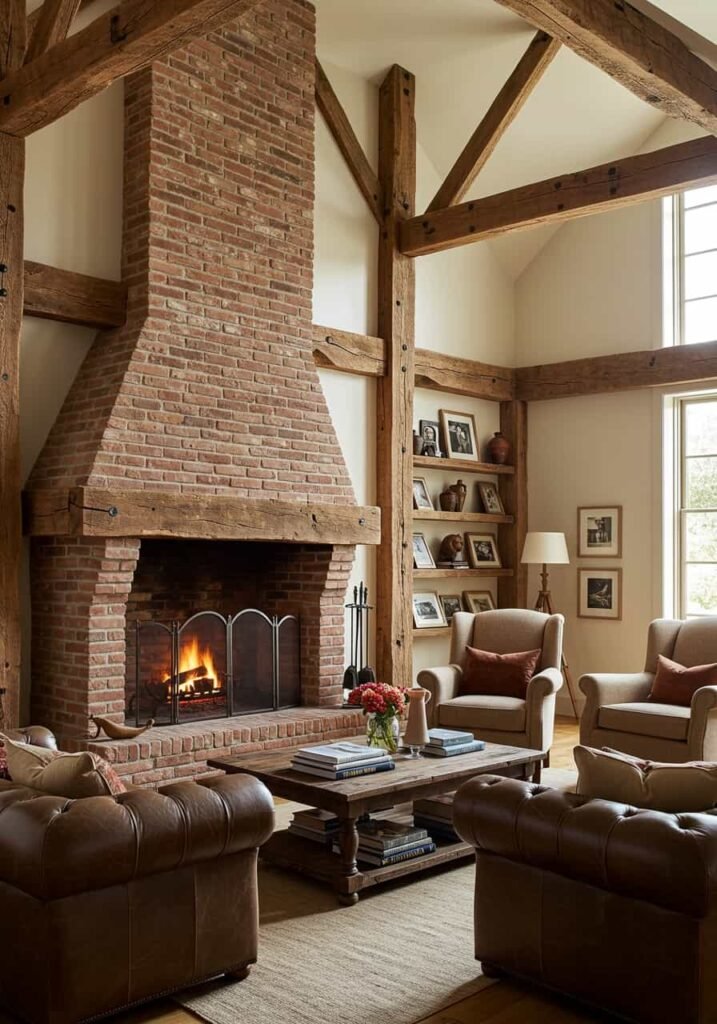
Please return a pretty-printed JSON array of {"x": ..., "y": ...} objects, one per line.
[{"x": 212, "y": 667}]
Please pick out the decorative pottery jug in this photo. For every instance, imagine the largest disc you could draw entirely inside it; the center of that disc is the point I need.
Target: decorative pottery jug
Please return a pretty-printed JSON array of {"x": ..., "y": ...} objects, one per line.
[
  {"x": 499, "y": 449},
  {"x": 460, "y": 490},
  {"x": 417, "y": 444},
  {"x": 448, "y": 500},
  {"x": 416, "y": 734}
]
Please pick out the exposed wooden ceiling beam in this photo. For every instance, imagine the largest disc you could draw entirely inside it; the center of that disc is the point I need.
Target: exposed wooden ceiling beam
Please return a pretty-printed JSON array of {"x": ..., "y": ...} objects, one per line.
[
  {"x": 359, "y": 354},
  {"x": 123, "y": 40},
  {"x": 572, "y": 195},
  {"x": 54, "y": 294},
  {"x": 34, "y": 16},
  {"x": 53, "y": 23},
  {"x": 632, "y": 48},
  {"x": 345, "y": 138},
  {"x": 501, "y": 113},
  {"x": 458, "y": 376},
  {"x": 626, "y": 371}
]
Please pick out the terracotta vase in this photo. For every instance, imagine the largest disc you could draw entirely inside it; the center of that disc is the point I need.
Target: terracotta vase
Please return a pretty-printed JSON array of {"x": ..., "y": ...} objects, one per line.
[
  {"x": 499, "y": 449},
  {"x": 416, "y": 734},
  {"x": 460, "y": 490},
  {"x": 448, "y": 500}
]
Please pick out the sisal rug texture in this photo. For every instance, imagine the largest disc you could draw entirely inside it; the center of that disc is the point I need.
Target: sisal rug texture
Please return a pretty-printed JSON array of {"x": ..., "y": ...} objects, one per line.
[{"x": 403, "y": 952}]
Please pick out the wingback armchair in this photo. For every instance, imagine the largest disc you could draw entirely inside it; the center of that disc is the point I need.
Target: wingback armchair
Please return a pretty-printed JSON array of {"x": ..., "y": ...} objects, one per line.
[
  {"x": 520, "y": 723},
  {"x": 618, "y": 714}
]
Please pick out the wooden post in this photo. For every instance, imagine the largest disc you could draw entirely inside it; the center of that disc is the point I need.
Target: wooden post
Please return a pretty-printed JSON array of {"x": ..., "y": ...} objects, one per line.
[
  {"x": 396, "y": 300},
  {"x": 513, "y": 591},
  {"x": 12, "y": 173}
]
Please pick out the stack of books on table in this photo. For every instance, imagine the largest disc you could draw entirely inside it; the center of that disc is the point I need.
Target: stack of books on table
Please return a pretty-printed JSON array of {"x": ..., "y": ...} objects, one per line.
[
  {"x": 342, "y": 760},
  {"x": 390, "y": 842},
  {"x": 435, "y": 814},
  {"x": 449, "y": 742},
  {"x": 315, "y": 824}
]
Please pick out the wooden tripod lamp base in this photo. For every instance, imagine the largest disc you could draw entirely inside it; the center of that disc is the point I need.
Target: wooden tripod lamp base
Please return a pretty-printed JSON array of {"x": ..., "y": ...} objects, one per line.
[{"x": 549, "y": 549}]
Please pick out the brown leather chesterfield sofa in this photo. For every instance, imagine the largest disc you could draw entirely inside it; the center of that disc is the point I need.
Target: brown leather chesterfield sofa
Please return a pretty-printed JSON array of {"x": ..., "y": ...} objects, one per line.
[
  {"x": 110, "y": 901},
  {"x": 612, "y": 905}
]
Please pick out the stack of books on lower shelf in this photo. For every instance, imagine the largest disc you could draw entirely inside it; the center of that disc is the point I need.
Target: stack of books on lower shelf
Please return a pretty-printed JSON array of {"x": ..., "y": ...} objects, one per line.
[
  {"x": 435, "y": 814},
  {"x": 383, "y": 842},
  {"x": 450, "y": 742},
  {"x": 314, "y": 824},
  {"x": 342, "y": 760}
]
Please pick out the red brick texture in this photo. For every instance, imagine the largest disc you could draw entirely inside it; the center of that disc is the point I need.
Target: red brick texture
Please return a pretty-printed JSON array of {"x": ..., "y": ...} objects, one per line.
[{"x": 211, "y": 384}]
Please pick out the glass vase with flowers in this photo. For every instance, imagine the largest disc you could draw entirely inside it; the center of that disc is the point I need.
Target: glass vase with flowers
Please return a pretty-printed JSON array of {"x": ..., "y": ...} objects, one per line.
[{"x": 383, "y": 705}]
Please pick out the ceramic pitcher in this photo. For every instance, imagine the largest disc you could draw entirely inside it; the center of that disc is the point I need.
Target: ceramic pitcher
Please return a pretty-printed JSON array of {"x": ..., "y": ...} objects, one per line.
[{"x": 416, "y": 734}]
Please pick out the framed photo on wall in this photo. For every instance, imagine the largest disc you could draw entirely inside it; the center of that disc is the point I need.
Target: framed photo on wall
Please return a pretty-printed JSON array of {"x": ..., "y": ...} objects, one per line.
[
  {"x": 479, "y": 600},
  {"x": 451, "y": 603},
  {"x": 422, "y": 557},
  {"x": 459, "y": 435},
  {"x": 430, "y": 431},
  {"x": 600, "y": 594},
  {"x": 600, "y": 531},
  {"x": 421, "y": 495},
  {"x": 483, "y": 551},
  {"x": 427, "y": 611}
]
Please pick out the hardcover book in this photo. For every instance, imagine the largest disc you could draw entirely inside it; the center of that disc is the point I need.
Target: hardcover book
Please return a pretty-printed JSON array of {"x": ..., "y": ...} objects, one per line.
[
  {"x": 454, "y": 749},
  {"x": 339, "y": 753},
  {"x": 446, "y": 737},
  {"x": 396, "y": 856},
  {"x": 381, "y": 835},
  {"x": 338, "y": 774}
]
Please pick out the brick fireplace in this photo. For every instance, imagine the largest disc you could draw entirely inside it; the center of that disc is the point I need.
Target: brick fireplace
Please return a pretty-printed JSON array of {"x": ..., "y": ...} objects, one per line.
[{"x": 194, "y": 465}]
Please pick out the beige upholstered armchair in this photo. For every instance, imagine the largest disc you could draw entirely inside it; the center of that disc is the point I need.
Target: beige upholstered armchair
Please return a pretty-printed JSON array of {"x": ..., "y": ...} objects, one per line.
[
  {"x": 618, "y": 714},
  {"x": 519, "y": 723}
]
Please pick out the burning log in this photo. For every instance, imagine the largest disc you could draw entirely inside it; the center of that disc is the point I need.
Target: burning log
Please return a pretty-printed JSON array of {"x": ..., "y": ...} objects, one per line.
[{"x": 188, "y": 676}]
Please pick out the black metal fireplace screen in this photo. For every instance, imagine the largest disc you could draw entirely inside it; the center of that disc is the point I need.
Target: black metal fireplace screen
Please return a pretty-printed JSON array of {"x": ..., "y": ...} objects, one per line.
[{"x": 213, "y": 666}]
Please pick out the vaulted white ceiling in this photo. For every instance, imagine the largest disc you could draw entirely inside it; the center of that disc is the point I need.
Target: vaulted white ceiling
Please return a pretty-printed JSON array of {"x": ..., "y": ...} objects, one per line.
[{"x": 461, "y": 52}]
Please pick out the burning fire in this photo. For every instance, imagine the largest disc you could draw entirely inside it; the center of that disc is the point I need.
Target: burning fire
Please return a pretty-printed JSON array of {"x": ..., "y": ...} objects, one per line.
[{"x": 196, "y": 663}]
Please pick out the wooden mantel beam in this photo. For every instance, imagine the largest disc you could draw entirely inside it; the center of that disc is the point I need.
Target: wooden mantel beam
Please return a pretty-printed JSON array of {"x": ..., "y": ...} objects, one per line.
[
  {"x": 501, "y": 114},
  {"x": 54, "y": 294},
  {"x": 608, "y": 186},
  {"x": 340, "y": 127},
  {"x": 636, "y": 50},
  {"x": 127, "y": 512},
  {"x": 124, "y": 39}
]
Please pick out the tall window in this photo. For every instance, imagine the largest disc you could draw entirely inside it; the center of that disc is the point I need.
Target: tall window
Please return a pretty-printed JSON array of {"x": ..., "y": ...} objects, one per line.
[
  {"x": 696, "y": 543},
  {"x": 695, "y": 233}
]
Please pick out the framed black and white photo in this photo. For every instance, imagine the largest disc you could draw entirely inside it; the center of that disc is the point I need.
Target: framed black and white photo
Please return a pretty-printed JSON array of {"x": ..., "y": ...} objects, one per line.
[
  {"x": 600, "y": 594},
  {"x": 422, "y": 557},
  {"x": 600, "y": 532},
  {"x": 483, "y": 551},
  {"x": 427, "y": 611},
  {"x": 451, "y": 603},
  {"x": 459, "y": 435},
  {"x": 421, "y": 497},
  {"x": 431, "y": 434},
  {"x": 492, "y": 503},
  {"x": 479, "y": 600}
]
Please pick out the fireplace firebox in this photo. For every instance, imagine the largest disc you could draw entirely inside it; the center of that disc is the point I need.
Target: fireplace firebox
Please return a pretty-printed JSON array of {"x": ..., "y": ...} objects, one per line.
[{"x": 213, "y": 666}]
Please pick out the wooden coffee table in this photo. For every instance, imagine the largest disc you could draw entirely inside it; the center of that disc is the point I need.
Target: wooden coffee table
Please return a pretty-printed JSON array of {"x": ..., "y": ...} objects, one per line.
[{"x": 350, "y": 799}]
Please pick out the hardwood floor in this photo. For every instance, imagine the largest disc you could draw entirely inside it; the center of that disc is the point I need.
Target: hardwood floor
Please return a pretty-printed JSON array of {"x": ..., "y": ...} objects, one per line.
[{"x": 502, "y": 1003}]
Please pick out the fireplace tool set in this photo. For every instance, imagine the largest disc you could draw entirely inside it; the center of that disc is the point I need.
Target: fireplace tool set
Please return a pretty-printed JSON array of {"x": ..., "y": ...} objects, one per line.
[{"x": 359, "y": 614}]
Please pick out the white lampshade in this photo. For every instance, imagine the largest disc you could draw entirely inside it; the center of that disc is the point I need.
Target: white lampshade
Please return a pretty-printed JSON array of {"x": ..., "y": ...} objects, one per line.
[{"x": 545, "y": 548}]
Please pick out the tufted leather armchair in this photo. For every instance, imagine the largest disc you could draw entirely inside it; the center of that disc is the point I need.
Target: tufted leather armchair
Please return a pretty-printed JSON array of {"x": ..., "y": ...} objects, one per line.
[
  {"x": 618, "y": 714},
  {"x": 610, "y": 904}
]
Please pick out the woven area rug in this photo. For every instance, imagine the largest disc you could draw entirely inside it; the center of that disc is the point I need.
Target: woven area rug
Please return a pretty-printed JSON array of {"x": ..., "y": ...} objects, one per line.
[{"x": 403, "y": 952}]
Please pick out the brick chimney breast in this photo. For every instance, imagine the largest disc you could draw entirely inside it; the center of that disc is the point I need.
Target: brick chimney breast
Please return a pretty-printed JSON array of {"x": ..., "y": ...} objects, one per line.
[{"x": 210, "y": 387}]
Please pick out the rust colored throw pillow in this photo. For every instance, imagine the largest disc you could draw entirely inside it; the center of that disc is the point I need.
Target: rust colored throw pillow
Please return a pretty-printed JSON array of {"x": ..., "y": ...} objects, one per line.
[
  {"x": 498, "y": 675},
  {"x": 675, "y": 684}
]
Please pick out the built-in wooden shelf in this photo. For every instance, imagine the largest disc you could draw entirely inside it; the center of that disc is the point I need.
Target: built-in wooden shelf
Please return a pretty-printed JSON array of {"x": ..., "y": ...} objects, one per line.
[
  {"x": 461, "y": 517},
  {"x": 444, "y": 574},
  {"x": 433, "y": 631},
  {"x": 460, "y": 465}
]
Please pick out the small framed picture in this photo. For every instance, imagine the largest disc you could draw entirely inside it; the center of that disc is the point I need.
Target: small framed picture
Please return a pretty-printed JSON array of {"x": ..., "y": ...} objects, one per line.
[
  {"x": 427, "y": 611},
  {"x": 459, "y": 435},
  {"x": 422, "y": 557},
  {"x": 421, "y": 497},
  {"x": 479, "y": 600},
  {"x": 431, "y": 434},
  {"x": 600, "y": 532},
  {"x": 491, "y": 499},
  {"x": 451, "y": 603},
  {"x": 483, "y": 551},
  {"x": 600, "y": 594}
]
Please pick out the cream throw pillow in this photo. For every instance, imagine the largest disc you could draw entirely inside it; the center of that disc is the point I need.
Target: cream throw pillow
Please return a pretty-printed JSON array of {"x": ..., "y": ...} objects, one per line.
[
  {"x": 611, "y": 775},
  {"x": 68, "y": 775}
]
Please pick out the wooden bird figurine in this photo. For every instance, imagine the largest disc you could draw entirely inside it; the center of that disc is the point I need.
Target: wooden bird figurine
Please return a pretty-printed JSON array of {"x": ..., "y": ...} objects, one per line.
[{"x": 119, "y": 732}]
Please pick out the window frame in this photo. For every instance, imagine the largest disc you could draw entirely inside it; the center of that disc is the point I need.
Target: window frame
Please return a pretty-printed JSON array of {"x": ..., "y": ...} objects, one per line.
[
  {"x": 679, "y": 258},
  {"x": 680, "y": 511}
]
